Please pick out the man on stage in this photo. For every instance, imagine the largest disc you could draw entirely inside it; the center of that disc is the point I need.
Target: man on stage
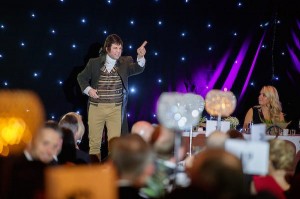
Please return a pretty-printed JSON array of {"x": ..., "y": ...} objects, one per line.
[{"x": 105, "y": 81}]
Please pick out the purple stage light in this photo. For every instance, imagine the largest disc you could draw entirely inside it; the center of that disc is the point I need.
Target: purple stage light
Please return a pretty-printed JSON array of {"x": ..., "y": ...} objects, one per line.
[
  {"x": 295, "y": 59},
  {"x": 217, "y": 73},
  {"x": 296, "y": 40},
  {"x": 236, "y": 66},
  {"x": 252, "y": 68}
]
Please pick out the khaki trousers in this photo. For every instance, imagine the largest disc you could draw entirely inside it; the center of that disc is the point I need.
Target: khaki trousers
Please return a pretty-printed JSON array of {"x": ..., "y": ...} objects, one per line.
[{"x": 99, "y": 115}]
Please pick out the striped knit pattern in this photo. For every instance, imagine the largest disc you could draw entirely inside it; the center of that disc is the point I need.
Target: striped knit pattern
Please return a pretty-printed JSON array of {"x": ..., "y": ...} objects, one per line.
[{"x": 110, "y": 88}]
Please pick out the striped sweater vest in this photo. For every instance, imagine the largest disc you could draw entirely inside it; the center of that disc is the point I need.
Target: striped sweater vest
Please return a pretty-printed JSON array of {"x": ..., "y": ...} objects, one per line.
[{"x": 110, "y": 88}]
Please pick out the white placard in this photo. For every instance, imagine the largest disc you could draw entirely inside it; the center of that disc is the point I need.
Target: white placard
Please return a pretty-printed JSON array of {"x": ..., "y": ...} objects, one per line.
[
  {"x": 254, "y": 155},
  {"x": 211, "y": 126},
  {"x": 258, "y": 132}
]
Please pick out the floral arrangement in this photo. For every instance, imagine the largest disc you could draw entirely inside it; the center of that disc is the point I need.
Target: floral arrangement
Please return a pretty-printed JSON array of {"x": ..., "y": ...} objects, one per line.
[
  {"x": 234, "y": 122},
  {"x": 202, "y": 121}
]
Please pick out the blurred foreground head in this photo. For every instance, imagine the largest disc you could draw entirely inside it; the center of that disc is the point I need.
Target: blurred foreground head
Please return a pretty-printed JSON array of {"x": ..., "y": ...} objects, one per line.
[
  {"x": 133, "y": 158},
  {"x": 144, "y": 129},
  {"x": 217, "y": 173},
  {"x": 21, "y": 115}
]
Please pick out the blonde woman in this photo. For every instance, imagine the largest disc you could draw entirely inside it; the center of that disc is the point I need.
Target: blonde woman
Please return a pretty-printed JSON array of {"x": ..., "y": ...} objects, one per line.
[
  {"x": 268, "y": 111},
  {"x": 281, "y": 159}
]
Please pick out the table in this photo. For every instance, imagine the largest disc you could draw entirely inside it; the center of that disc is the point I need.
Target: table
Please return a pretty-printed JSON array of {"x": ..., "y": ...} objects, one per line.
[
  {"x": 293, "y": 138},
  {"x": 199, "y": 136}
]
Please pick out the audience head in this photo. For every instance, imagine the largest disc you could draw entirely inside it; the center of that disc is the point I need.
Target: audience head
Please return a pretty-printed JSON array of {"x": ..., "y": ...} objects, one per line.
[
  {"x": 73, "y": 121},
  {"x": 235, "y": 134},
  {"x": 218, "y": 173},
  {"x": 216, "y": 140},
  {"x": 144, "y": 129},
  {"x": 163, "y": 142},
  {"x": 133, "y": 159},
  {"x": 281, "y": 154},
  {"x": 68, "y": 150},
  {"x": 46, "y": 144}
]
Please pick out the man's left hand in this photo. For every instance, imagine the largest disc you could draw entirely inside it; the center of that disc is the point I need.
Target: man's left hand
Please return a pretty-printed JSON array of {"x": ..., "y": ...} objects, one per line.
[{"x": 141, "y": 51}]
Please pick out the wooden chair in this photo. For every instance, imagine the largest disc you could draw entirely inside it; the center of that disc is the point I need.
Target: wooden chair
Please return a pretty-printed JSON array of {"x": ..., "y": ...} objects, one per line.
[{"x": 84, "y": 181}]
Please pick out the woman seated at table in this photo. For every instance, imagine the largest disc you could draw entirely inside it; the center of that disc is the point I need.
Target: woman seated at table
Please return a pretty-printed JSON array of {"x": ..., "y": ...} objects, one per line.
[{"x": 268, "y": 111}]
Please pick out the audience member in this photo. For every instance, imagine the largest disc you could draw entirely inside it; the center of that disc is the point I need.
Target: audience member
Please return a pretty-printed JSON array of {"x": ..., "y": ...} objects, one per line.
[
  {"x": 133, "y": 159},
  {"x": 215, "y": 174},
  {"x": 144, "y": 129},
  {"x": 73, "y": 121},
  {"x": 67, "y": 155},
  {"x": 216, "y": 140},
  {"x": 281, "y": 158},
  {"x": 22, "y": 176},
  {"x": 163, "y": 179}
]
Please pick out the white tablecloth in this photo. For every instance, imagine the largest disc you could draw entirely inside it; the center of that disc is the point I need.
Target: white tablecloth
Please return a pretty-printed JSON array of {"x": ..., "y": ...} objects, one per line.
[{"x": 293, "y": 138}]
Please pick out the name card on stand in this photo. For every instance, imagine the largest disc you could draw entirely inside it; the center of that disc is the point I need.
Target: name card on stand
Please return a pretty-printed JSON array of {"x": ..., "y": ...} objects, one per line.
[
  {"x": 254, "y": 155},
  {"x": 211, "y": 126},
  {"x": 258, "y": 132}
]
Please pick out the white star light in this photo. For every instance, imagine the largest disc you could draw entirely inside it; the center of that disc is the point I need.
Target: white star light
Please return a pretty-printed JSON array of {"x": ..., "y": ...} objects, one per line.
[
  {"x": 159, "y": 80},
  {"x": 155, "y": 53},
  {"x": 60, "y": 82},
  {"x": 159, "y": 23},
  {"x": 53, "y": 31},
  {"x": 35, "y": 74},
  {"x": 105, "y": 32},
  {"x": 1, "y": 56},
  {"x": 132, "y": 22},
  {"x": 5, "y": 83},
  {"x": 132, "y": 90},
  {"x": 183, "y": 34},
  {"x": 32, "y": 15},
  {"x": 2, "y": 26},
  {"x": 182, "y": 58},
  {"x": 83, "y": 20},
  {"x": 130, "y": 46},
  {"x": 50, "y": 53},
  {"x": 73, "y": 45},
  {"x": 22, "y": 44}
]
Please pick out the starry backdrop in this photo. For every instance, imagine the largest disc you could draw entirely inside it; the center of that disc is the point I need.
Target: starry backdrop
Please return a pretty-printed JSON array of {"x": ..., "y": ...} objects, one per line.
[{"x": 193, "y": 46}]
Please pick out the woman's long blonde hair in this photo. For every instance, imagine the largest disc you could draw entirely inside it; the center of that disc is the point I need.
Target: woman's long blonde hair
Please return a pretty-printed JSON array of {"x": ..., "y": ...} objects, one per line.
[{"x": 274, "y": 105}]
